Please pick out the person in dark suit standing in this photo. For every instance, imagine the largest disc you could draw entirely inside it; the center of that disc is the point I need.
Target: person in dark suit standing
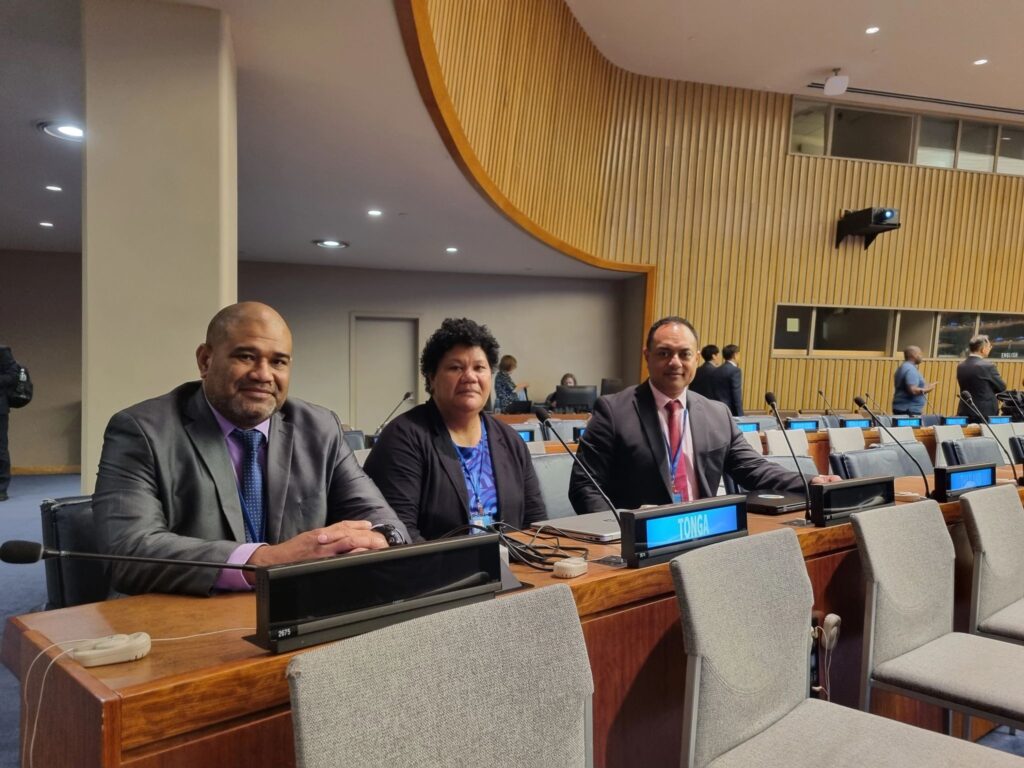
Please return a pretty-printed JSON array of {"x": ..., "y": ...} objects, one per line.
[
  {"x": 446, "y": 464},
  {"x": 229, "y": 469},
  {"x": 657, "y": 442},
  {"x": 702, "y": 377},
  {"x": 727, "y": 383},
  {"x": 979, "y": 376},
  {"x": 8, "y": 379}
]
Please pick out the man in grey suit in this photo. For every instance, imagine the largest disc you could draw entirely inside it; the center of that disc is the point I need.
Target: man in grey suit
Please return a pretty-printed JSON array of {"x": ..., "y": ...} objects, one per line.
[
  {"x": 657, "y": 443},
  {"x": 228, "y": 469},
  {"x": 978, "y": 375}
]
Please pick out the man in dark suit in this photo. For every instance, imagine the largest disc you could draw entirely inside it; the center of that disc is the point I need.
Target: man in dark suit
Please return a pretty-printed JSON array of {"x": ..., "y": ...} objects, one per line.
[
  {"x": 979, "y": 377},
  {"x": 702, "y": 377},
  {"x": 657, "y": 442},
  {"x": 230, "y": 470},
  {"x": 727, "y": 383},
  {"x": 8, "y": 379}
]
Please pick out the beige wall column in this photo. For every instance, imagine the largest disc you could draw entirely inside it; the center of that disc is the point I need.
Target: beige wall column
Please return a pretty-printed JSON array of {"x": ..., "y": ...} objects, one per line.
[{"x": 160, "y": 221}]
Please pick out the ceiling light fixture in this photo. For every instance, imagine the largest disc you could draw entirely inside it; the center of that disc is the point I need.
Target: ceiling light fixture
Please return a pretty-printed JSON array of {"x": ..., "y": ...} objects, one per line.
[
  {"x": 451, "y": 249},
  {"x": 871, "y": 31},
  {"x": 331, "y": 243},
  {"x": 979, "y": 62},
  {"x": 63, "y": 131},
  {"x": 54, "y": 188},
  {"x": 47, "y": 224},
  {"x": 374, "y": 212},
  {"x": 837, "y": 84}
]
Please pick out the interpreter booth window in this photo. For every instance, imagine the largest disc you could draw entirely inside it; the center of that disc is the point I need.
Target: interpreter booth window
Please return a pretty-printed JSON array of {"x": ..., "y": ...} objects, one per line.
[
  {"x": 1011, "y": 151},
  {"x": 855, "y": 332},
  {"x": 872, "y": 135},
  {"x": 955, "y": 331},
  {"x": 936, "y": 142},
  {"x": 793, "y": 329},
  {"x": 1006, "y": 332},
  {"x": 916, "y": 329},
  {"x": 977, "y": 147},
  {"x": 809, "y": 127}
]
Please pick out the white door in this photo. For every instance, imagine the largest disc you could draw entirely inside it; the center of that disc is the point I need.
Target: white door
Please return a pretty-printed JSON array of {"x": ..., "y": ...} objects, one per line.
[{"x": 383, "y": 366}]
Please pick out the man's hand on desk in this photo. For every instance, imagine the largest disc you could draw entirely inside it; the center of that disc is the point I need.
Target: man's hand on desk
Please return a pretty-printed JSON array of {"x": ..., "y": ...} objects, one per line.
[
  {"x": 346, "y": 536},
  {"x": 825, "y": 479}
]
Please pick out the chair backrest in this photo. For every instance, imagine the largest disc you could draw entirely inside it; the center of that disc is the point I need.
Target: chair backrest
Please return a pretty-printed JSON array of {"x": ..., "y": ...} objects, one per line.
[
  {"x": 1018, "y": 427},
  {"x": 553, "y": 471},
  {"x": 931, "y": 420},
  {"x": 973, "y": 450},
  {"x": 777, "y": 442},
  {"x": 944, "y": 433},
  {"x": 355, "y": 438},
  {"x": 754, "y": 440},
  {"x": 1017, "y": 449},
  {"x": 745, "y": 606},
  {"x": 68, "y": 524},
  {"x": 871, "y": 462},
  {"x": 1003, "y": 433},
  {"x": 361, "y": 455},
  {"x": 919, "y": 452},
  {"x": 907, "y": 556},
  {"x": 845, "y": 439},
  {"x": 351, "y": 702},
  {"x": 994, "y": 520},
  {"x": 807, "y": 465},
  {"x": 899, "y": 435}
]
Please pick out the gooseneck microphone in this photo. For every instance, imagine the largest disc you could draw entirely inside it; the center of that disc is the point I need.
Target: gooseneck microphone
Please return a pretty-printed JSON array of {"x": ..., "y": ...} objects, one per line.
[
  {"x": 878, "y": 407},
  {"x": 831, "y": 410},
  {"x": 545, "y": 419},
  {"x": 859, "y": 401},
  {"x": 384, "y": 423},
  {"x": 769, "y": 398},
  {"x": 1006, "y": 397},
  {"x": 22, "y": 552},
  {"x": 968, "y": 399}
]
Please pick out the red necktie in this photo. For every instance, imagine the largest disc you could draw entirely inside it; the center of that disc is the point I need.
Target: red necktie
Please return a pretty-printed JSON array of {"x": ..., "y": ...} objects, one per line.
[{"x": 675, "y": 440}]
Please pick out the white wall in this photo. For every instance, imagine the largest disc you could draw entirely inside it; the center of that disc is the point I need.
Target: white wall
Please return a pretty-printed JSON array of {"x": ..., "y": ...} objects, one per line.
[{"x": 552, "y": 326}]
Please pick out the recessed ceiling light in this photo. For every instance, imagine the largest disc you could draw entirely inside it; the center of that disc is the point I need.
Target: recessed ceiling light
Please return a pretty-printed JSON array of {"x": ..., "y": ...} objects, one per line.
[
  {"x": 979, "y": 62},
  {"x": 47, "y": 224},
  {"x": 451, "y": 249},
  {"x": 65, "y": 131},
  {"x": 374, "y": 212},
  {"x": 871, "y": 30},
  {"x": 331, "y": 243},
  {"x": 54, "y": 188}
]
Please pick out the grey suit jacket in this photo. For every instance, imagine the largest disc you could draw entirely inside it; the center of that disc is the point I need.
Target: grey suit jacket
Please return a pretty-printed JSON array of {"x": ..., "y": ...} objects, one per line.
[
  {"x": 624, "y": 448},
  {"x": 166, "y": 488},
  {"x": 981, "y": 378}
]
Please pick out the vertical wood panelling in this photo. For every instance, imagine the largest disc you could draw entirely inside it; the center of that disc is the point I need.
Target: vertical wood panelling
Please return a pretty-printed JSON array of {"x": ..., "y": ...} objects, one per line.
[{"x": 696, "y": 179}]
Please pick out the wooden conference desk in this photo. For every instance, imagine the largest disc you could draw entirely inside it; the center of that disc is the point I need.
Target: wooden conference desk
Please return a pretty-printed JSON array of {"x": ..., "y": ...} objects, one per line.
[{"x": 219, "y": 701}]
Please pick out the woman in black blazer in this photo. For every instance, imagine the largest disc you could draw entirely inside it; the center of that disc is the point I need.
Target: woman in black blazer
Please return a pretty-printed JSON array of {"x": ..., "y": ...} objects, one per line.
[{"x": 446, "y": 463}]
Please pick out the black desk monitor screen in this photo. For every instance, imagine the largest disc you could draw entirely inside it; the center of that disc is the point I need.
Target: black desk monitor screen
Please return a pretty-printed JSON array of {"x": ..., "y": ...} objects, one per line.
[
  {"x": 611, "y": 386},
  {"x": 999, "y": 419},
  {"x": 575, "y": 399},
  {"x": 747, "y": 426},
  {"x": 807, "y": 425},
  {"x": 907, "y": 421},
  {"x": 526, "y": 434},
  {"x": 951, "y": 482},
  {"x": 858, "y": 423},
  {"x": 577, "y": 433}
]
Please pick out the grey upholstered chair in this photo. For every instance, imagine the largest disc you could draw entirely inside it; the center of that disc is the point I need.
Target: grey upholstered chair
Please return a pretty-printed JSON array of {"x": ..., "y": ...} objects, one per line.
[
  {"x": 918, "y": 451},
  {"x": 501, "y": 682},
  {"x": 994, "y": 520},
  {"x": 67, "y": 523},
  {"x": 777, "y": 442},
  {"x": 553, "y": 471},
  {"x": 944, "y": 433},
  {"x": 897, "y": 434},
  {"x": 871, "y": 462},
  {"x": 973, "y": 450},
  {"x": 745, "y": 606},
  {"x": 845, "y": 439},
  {"x": 909, "y": 644}
]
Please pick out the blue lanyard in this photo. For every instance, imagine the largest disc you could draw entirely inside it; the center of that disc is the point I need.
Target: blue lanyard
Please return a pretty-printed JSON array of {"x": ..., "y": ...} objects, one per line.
[
  {"x": 477, "y": 480},
  {"x": 673, "y": 461}
]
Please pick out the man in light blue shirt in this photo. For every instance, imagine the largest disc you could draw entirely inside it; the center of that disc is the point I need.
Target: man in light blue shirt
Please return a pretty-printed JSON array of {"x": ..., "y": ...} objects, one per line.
[{"x": 910, "y": 387}]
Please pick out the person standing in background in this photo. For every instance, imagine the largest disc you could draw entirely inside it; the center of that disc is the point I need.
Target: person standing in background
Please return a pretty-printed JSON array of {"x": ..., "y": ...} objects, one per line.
[
  {"x": 727, "y": 383},
  {"x": 979, "y": 377},
  {"x": 909, "y": 386},
  {"x": 504, "y": 388},
  {"x": 8, "y": 379},
  {"x": 701, "y": 383}
]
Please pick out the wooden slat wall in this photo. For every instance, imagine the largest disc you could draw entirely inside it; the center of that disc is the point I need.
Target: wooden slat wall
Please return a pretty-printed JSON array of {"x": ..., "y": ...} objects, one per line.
[{"x": 696, "y": 180}]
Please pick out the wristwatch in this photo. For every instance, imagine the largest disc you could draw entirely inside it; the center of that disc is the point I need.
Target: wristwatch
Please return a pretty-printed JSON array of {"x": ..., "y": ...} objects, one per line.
[{"x": 390, "y": 534}]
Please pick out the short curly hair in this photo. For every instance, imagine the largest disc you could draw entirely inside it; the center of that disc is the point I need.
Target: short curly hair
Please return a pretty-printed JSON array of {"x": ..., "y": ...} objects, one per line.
[{"x": 456, "y": 332}]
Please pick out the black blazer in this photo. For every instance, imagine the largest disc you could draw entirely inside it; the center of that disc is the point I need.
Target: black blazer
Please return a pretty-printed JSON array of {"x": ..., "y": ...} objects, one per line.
[
  {"x": 415, "y": 465},
  {"x": 624, "y": 449},
  {"x": 979, "y": 377},
  {"x": 727, "y": 387},
  {"x": 701, "y": 383},
  {"x": 8, "y": 377}
]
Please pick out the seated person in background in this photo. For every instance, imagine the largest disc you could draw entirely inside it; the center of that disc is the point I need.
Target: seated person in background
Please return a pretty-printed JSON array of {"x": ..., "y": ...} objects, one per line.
[
  {"x": 445, "y": 463},
  {"x": 657, "y": 443},
  {"x": 504, "y": 388},
  {"x": 228, "y": 469},
  {"x": 704, "y": 376},
  {"x": 568, "y": 380}
]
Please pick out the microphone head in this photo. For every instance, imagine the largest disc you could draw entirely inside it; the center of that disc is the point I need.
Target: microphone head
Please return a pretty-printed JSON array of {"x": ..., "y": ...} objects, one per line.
[
  {"x": 21, "y": 552},
  {"x": 541, "y": 412},
  {"x": 965, "y": 395},
  {"x": 859, "y": 401},
  {"x": 821, "y": 392},
  {"x": 769, "y": 398},
  {"x": 407, "y": 396}
]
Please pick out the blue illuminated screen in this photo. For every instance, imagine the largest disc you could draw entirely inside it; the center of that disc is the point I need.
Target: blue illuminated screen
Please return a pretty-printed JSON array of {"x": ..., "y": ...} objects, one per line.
[
  {"x": 689, "y": 526},
  {"x": 858, "y": 423},
  {"x": 526, "y": 434},
  {"x": 748, "y": 426},
  {"x": 955, "y": 421},
  {"x": 577, "y": 433},
  {"x": 809, "y": 426},
  {"x": 973, "y": 478},
  {"x": 908, "y": 422},
  {"x": 998, "y": 419}
]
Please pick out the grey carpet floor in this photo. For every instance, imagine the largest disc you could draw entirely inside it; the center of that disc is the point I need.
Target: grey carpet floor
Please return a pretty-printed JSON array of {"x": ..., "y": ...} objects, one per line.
[{"x": 23, "y": 590}]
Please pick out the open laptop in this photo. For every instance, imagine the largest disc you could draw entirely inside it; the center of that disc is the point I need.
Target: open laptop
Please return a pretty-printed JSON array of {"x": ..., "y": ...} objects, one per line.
[
  {"x": 775, "y": 502},
  {"x": 601, "y": 527}
]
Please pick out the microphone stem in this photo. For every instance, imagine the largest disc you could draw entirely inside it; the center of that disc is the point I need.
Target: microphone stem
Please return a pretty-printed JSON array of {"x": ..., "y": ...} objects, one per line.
[
  {"x": 902, "y": 447},
  {"x": 796, "y": 461},
  {"x": 969, "y": 402},
  {"x": 388, "y": 417},
  {"x": 579, "y": 463},
  {"x": 47, "y": 553}
]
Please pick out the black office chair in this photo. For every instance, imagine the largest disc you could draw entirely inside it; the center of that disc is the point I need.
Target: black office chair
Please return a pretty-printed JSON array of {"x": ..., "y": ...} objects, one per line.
[
  {"x": 871, "y": 462},
  {"x": 1017, "y": 449},
  {"x": 973, "y": 450},
  {"x": 68, "y": 524}
]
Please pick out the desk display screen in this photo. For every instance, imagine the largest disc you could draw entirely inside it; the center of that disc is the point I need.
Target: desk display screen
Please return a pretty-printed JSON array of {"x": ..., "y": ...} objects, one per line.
[
  {"x": 858, "y": 423},
  {"x": 806, "y": 426},
  {"x": 998, "y": 419},
  {"x": 691, "y": 526},
  {"x": 955, "y": 421},
  {"x": 748, "y": 426},
  {"x": 577, "y": 433},
  {"x": 908, "y": 422},
  {"x": 971, "y": 478},
  {"x": 526, "y": 434},
  {"x": 856, "y": 495}
]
